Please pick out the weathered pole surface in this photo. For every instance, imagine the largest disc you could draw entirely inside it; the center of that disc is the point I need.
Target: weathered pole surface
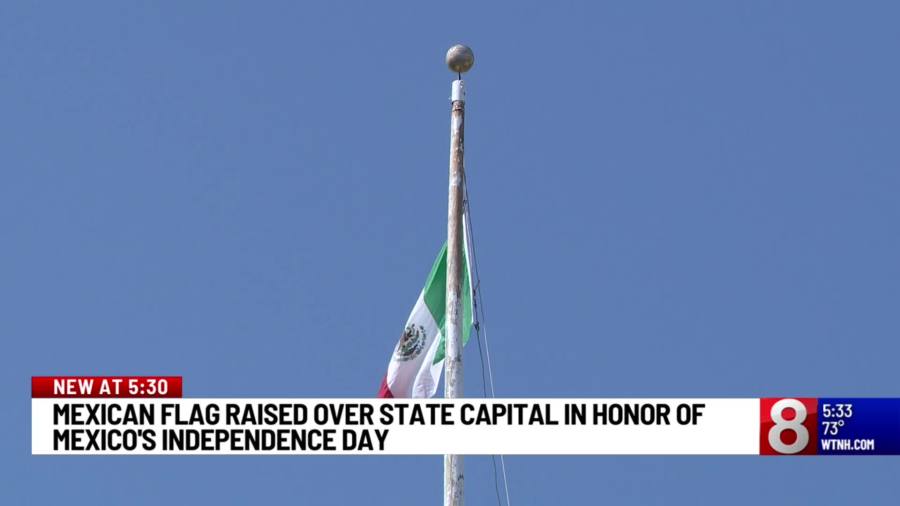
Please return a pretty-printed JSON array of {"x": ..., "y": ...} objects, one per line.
[{"x": 459, "y": 59}]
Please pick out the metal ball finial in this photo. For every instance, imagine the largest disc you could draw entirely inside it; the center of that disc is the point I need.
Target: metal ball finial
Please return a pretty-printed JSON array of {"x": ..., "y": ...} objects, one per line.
[{"x": 460, "y": 58}]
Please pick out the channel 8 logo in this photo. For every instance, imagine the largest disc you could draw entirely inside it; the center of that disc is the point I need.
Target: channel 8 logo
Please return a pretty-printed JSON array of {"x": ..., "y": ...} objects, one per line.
[{"x": 787, "y": 426}]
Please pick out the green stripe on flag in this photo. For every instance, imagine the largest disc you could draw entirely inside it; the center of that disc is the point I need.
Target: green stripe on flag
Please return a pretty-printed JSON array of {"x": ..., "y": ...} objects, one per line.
[{"x": 436, "y": 298}]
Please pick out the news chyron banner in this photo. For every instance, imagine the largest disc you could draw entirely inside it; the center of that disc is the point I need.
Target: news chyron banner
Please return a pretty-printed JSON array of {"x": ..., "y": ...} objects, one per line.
[{"x": 144, "y": 415}]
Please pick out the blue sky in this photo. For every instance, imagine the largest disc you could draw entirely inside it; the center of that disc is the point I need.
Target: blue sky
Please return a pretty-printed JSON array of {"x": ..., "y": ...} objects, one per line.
[{"x": 691, "y": 199}]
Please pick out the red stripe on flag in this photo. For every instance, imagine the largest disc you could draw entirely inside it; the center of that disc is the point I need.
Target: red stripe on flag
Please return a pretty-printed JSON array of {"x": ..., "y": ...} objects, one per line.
[{"x": 384, "y": 392}]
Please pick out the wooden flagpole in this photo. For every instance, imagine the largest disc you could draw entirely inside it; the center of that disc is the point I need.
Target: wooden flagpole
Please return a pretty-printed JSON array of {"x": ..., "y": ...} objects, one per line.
[{"x": 460, "y": 59}]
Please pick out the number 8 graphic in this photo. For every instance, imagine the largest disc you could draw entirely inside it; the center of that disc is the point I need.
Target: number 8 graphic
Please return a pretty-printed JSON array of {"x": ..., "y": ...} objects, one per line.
[{"x": 781, "y": 425}]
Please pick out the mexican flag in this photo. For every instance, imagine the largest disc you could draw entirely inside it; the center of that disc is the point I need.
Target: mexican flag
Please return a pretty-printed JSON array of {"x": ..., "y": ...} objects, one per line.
[{"x": 418, "y": 359}]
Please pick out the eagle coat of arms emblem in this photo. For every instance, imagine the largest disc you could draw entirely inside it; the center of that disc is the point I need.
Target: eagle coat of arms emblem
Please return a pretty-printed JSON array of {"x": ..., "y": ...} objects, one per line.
[{"x": 411, "y": 343}]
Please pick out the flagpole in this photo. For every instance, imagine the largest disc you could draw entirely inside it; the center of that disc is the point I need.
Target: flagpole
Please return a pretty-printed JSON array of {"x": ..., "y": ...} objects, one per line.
[{"x": 460, "y": 59}]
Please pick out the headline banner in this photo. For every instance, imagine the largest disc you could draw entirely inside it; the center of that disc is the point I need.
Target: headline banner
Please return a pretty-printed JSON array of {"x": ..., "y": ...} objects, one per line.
[
  {"x": 396, "y": 427},
  {"x": 146, "y": 415}
]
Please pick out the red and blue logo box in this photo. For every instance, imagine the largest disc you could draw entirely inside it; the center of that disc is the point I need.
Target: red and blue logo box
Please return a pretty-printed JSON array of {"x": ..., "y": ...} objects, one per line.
[{"x": 829, "y": 426}]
